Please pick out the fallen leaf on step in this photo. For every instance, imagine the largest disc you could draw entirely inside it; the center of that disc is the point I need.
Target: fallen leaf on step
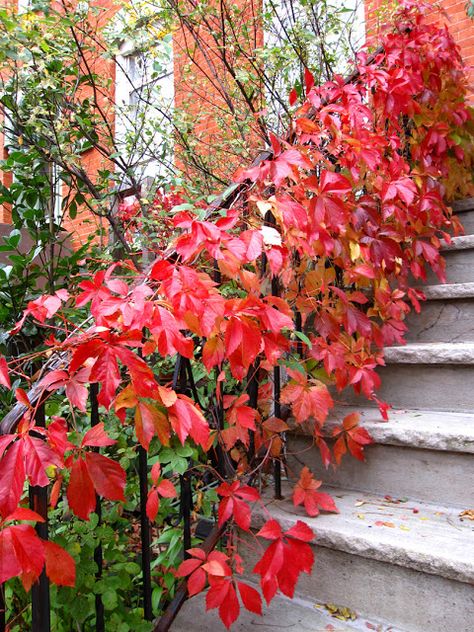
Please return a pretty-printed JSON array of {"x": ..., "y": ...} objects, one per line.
[
  {"x": 382, "y": 523},
  {"x": 467, "y": 513},
  {"x": 359, "y": 503},
  {"x": 343, "y": 613},
  {"x": 361, "y": 516},
  {"x": 404, "y": 527}
]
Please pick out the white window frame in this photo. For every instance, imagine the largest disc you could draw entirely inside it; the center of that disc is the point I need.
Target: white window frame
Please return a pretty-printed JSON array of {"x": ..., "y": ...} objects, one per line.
[{"x": 133, "y": 77}]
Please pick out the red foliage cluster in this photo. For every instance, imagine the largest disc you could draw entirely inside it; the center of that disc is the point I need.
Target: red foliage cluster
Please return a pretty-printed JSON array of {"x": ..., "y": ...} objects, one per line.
[{"x": 357, "y": 213}]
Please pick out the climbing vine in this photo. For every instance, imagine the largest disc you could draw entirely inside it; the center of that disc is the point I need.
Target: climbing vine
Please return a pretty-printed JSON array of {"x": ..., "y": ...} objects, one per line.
[{"x": 313, "y": 271}]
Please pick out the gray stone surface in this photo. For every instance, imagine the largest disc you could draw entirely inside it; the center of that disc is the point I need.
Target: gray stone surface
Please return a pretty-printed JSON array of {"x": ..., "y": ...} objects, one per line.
[
  {"x": 431, "y": 353},
  {"x": 433, "y": 540},
  {"x": 443, "y": 387},
  {"x": 433, "y": 430},
  {"x": 461, "y": 206},
  {"x": 408, "y": 599},
  {"x": 467, "y": 218},
  {"x": 459, "y": 264},
  {"x": 463, "y": 242},
  {"x": 297, "y": 615},
  {"x": 434, "y": 476},
  {"x": 442, "y": 321},
  {"x": 449, "y": 291}
]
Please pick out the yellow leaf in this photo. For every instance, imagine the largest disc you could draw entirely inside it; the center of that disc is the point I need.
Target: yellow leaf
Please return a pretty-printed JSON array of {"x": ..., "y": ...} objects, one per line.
[{"x": 355, "y": 250}]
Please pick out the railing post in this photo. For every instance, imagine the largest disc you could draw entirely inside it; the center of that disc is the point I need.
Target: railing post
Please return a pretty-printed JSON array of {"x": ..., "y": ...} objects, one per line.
[
  {"x": 252, "y": 392},
  {"x": 98, "y": 558},
  {"x": 186, "y": 495},
  {"x": 186, "y": 501},
  {"x": 40, "y": 603},
  {"x": 145, "y": 533}
]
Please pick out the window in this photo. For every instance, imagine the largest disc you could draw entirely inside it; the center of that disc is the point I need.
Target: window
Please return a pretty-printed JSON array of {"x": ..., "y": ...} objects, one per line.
[{"x": 144, "y": 94}]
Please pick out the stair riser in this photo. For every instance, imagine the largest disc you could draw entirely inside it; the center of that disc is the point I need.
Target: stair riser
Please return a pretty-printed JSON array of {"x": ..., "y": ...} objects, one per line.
[
  {"x": 428, "y": 386},
  {"x": 467, "y": 220},
  {"x": 408, "y": 599},
  {"x": 434, "y": 476},
  {"x": 459, "y": 267},
  {"x": 442, "y": 321}
]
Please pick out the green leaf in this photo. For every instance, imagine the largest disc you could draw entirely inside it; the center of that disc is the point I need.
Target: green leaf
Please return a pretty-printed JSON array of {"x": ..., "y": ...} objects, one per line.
[{"x": 304, "y": 338}]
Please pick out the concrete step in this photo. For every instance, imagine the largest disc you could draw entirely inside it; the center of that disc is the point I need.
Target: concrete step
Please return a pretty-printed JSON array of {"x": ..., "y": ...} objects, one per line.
[
  {"x": 465, "y": 210},
  {"x": 297, "y": 615},
  {"x": 446, "y": 316},
  {"x": 414, "y": 569},
  {"x": 424, "y": 455},
  {"x": 438, "y": 376},
  {"x": 459, "y": 255},
  {"x": 431, "y": 353}
]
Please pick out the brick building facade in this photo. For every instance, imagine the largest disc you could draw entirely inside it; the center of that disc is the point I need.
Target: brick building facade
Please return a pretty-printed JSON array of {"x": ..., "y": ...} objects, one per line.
[{"x": 185, "y": 88}]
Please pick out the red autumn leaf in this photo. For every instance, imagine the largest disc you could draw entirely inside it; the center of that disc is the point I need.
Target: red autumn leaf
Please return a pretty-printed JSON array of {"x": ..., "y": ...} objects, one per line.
[
  {"x": 323, "y": 447},
  {"x": 12, "y": 478},
  {"x": 305, "y": 492},
  {"x": 57, "y": 436},
  {"x": 163, "y": 488},
  {"x": 80, "y": 491},
  {"x": 229, "y": 609},
  {"x": 152, "y": 505},
  {"x": 107, "y": 475},
  {"x": 29, "y": 552},
  {"x": 21, "y": 554},
  {"x": 213, "y": 352},
  {"x": 76, "y": 391},
  {"x": 150, "y": 421},
  {"x": 97, "y": 437},
  {"x": 60, "y": 566},
  {"x": 23, "y": 513},
  {"x": 9, "y": 564},
  {"x": 293, "y": 96},
  {"x": 38, "y": 456},
  {"x": 106, "y": 371},
  {"x": 94, "y": 291},
  {"x": 167, "y": 335},
  {"x": 308, "y": 80},
  {"x": 308, "y": 398},
  {"x": 187, "y": 420},
  {"x": 4, "y": 376},
  {"x": 285, "y": 559},
  {"x": 351, "y": 437},
  {"x": 194, "y": 568},
  {"x": 22, "y": 397},
  {"x": 233, "y": 503},
  {"x": 250, "y": 598}
]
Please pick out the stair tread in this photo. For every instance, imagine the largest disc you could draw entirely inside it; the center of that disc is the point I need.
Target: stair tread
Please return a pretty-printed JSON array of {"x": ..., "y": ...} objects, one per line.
[
  {"x": 283, "y": 613},
  {"x": 431, "y": 353},
  {"x": 462, "y": 242},
  {"x": 447, "y": 291},
  {"x": 427, "y": 429},
  {"x": 433, "y": 539},
  {"x": 460, "y": 206}
]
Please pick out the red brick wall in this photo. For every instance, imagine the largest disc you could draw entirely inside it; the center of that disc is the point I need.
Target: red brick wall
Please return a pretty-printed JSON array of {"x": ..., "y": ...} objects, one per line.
[
  {"x": 199, "y": 92},
  {"x": 195, "y": 92},
  {"x": 86, "y": 223}
]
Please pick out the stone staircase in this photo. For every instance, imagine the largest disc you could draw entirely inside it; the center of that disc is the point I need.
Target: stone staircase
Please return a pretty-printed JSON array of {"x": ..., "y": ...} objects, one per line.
[
  {"x": 399, "y": 551},
  {"x": 399, "y": 554}
]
